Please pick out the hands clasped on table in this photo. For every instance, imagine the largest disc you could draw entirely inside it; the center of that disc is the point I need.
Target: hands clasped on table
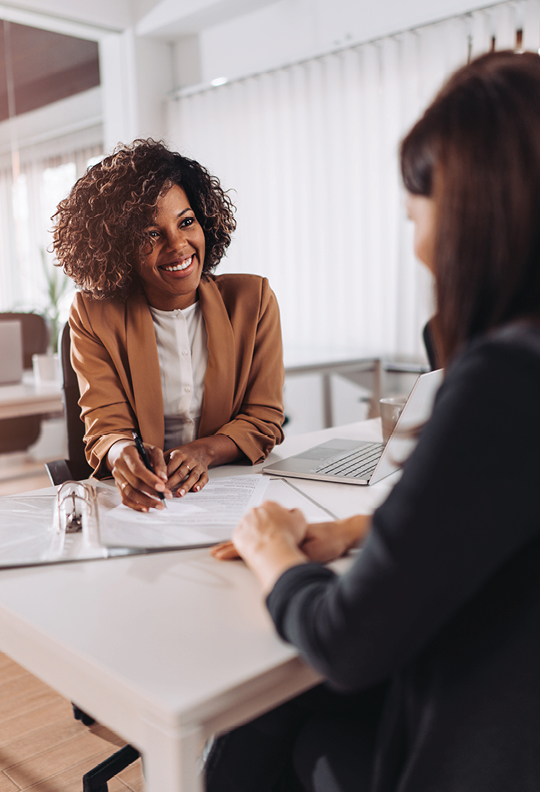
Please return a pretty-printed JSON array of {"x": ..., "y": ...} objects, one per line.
[{"x": 271, "y": 539}]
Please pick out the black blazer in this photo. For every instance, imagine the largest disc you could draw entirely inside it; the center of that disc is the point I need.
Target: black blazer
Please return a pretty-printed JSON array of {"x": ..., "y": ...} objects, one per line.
[{"x": 443, "y": 602}]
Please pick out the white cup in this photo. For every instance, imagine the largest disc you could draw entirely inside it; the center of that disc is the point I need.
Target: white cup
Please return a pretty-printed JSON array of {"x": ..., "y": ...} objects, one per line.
[
  {"x": 391, "y": 408},
  {"x": 46, "y": 369}
]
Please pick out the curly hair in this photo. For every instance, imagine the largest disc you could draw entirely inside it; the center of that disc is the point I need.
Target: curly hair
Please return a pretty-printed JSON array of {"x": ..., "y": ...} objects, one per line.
[{"x": 100, "y": 228}]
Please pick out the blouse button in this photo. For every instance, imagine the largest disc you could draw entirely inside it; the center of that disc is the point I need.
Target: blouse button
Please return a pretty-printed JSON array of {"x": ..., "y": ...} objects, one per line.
[
  {"x": 184, "y": 351},
  {"x": 187, "y": 389}
]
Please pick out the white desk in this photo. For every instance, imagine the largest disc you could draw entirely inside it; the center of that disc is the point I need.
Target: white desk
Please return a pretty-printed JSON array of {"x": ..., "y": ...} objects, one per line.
[
  {"x": 27, "y": 398},
  {"x": 164, "y": 649}
]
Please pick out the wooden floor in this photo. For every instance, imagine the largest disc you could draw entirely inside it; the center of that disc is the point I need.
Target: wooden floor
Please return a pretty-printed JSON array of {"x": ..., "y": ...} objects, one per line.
[{"x": 42, "y": 746}]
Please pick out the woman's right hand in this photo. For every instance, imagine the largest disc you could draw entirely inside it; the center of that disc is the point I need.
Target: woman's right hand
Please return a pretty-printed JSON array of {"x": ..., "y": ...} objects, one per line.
[{"x": 138, "y": 486}]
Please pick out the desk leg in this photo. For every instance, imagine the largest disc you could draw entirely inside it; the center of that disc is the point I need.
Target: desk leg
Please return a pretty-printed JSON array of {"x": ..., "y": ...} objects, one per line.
[
  {"x": 376, "y": 391},
  {"x": 327, "y": 401},
  {"x": 171, "y": 762}
]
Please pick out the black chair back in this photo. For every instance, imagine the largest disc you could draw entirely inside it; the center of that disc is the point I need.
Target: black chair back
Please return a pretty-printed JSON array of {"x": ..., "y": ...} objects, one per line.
[
  {"x": 432, "y": 353},
  {"x": 78, "y": 465}
]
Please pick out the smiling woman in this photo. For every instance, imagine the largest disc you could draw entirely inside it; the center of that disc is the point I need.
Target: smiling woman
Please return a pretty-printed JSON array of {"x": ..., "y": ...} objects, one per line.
[{"x": 190, "y": 360}]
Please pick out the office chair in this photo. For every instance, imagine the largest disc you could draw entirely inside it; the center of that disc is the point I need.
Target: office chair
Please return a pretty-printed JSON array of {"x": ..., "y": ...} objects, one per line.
[
  {"x": 74, "y": 468},
  {"x": 17, "y": 434},
  {"x": 432, "y": 352}
]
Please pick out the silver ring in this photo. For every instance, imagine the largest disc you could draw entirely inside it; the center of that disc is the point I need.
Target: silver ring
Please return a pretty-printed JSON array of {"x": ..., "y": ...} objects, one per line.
[
  {"x": 188, "y": 467},
  {"x": 123, "y": 485}
]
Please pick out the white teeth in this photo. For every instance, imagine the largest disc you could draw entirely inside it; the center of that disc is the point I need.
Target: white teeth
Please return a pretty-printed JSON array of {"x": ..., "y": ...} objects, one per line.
[{"x": 180, "y": 267}]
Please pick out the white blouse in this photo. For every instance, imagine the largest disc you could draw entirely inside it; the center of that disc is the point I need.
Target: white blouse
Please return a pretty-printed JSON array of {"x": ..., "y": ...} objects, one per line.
[{"x": 183, "y": 357}]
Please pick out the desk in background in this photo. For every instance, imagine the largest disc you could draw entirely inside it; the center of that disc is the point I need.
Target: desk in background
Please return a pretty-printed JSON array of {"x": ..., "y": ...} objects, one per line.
[
  {"x": 27, "y": 398},
  {"x": 166, "y": 649},
  {"x": 302, "y": 361}
]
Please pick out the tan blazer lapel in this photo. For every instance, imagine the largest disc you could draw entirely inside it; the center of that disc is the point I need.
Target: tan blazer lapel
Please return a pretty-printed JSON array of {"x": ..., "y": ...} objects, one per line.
[
  {"x": 145, "y": 372},
  {"x": 217, "y": 408}
]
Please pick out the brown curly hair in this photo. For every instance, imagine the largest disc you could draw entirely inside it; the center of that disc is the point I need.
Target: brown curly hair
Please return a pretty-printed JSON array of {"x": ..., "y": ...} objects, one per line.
[{"x": 100, "y": 228}]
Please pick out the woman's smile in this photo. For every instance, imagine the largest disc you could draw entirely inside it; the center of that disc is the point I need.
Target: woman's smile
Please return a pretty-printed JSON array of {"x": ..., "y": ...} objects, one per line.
[{"x": 178, "y": 266}]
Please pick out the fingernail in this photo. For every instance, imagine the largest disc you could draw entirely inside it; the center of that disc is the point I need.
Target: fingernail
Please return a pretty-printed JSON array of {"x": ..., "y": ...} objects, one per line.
[
  {"x": 182, "y": 492},
  {"x": 196, "y": 488}
]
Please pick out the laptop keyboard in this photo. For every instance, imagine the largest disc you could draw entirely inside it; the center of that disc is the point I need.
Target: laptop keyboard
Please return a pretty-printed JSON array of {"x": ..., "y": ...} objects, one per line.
[{"x": 360, "y": 463}]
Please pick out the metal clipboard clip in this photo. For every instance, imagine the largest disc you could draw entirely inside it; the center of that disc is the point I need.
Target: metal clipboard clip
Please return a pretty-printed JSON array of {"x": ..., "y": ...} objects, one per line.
[{"x": 76, "y": 516}]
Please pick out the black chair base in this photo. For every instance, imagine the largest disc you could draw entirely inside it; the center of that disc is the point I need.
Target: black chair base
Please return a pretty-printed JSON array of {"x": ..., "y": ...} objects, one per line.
[
  {"x": 78, "y": 714},
  {"x": 96, "y": 780}
]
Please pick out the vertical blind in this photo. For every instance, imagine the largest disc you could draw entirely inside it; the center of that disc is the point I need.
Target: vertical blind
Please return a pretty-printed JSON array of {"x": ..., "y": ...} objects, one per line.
[{"x": 310, "y": 154}]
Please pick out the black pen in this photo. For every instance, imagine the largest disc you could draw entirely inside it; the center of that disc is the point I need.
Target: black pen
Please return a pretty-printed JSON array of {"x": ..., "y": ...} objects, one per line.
[{"x": 144, "y": 456}]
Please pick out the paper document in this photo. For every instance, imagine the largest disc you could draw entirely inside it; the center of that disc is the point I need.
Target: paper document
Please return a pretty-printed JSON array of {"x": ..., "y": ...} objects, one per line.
[{"x": 201, "y": 518}]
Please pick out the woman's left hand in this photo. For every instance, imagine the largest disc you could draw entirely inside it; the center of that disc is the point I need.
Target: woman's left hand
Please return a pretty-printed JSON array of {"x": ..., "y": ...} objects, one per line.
[{"x": 187, "y": 468}]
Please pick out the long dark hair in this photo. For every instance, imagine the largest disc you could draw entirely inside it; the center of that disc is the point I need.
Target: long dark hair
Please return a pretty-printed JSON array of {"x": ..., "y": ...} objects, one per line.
[{"x": 476, "y": 152}]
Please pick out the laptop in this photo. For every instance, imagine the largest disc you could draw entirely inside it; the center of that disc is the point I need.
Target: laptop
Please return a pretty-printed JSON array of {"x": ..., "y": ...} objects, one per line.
[
  {"x": 11, "y": 352},
  {"x": 364, "y": 463}
]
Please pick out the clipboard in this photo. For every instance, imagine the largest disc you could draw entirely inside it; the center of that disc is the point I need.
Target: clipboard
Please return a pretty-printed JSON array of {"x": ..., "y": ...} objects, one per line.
[
  {"x": 73, "y": 524},
  {"x": 41, "y": 528}
]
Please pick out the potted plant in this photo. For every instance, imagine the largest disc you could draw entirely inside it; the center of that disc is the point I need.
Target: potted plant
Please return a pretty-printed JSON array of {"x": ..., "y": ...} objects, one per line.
[
  {"x": 57, "y": 287},
  {"x": 46, "y": 368}
]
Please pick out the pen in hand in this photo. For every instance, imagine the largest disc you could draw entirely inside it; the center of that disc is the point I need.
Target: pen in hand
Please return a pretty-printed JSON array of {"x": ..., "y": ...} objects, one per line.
[{"x": 144, "y": 456}]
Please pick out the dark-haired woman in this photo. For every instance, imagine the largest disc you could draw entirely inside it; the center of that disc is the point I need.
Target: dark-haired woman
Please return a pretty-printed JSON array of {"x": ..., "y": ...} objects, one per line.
[
  {"x": 431, "y": 642},
  {"x": 190, "y": 360}
]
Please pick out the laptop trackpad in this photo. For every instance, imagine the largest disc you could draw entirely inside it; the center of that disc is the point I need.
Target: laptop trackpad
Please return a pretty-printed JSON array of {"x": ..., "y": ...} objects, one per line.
[{"x": 329, "y": 449}]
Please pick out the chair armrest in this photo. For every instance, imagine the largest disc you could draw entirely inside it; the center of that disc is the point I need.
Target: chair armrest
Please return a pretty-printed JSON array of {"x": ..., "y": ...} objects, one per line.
[{"x": 59, "y": 471}]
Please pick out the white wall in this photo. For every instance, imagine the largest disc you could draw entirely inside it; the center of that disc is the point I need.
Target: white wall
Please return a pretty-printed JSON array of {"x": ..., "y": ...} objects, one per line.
[
  {"x": 141, "y": 61},
  {"x": 291, "y": 30},
  {"x": 310, "y": 152},
  {"x": 136, "y": 76}
]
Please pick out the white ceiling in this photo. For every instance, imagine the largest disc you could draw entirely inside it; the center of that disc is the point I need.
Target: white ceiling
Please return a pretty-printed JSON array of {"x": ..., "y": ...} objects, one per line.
[{"x": 172, "y": 19}]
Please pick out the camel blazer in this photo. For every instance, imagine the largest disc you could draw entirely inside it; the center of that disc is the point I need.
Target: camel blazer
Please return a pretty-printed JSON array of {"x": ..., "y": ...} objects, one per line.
[{"x": 114, "y": 353}]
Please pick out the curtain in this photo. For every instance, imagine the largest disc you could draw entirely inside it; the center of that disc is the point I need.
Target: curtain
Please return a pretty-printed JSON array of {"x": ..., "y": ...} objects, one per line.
[
  {"x": 26, "y": 206},
  {"x": 310, "y": 154}
]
